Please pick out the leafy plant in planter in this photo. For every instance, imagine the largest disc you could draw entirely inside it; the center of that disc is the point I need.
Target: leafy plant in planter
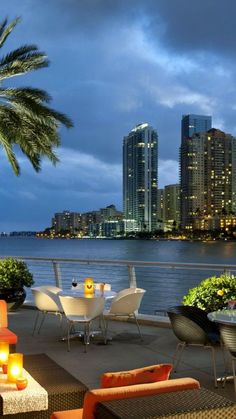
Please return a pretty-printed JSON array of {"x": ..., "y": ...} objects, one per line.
[
  {"x": 14, "y": 276},
  {"x": 213, "y": 293}
]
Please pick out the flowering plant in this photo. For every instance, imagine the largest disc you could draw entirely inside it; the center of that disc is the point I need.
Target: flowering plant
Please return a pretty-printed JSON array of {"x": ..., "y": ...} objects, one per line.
[{"x": 213, "y": 293}]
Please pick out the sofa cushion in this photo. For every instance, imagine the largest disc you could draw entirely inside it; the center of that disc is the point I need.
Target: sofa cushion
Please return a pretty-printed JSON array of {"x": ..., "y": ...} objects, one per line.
[
  {"x": 92, "y": 397},
  {"x": 68, "y": 414},
  {"x": 3, "y": 314},
  {"x": 7, "y": 336},
  {"x": 143, "y": 375}
]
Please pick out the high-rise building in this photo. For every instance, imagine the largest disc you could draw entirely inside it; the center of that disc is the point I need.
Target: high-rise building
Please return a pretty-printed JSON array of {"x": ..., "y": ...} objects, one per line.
[
  {"x": 189, "y": 153},
  {"x": 172, "y": 206},
  {"x": 208, "y": 178},
  {"x": 192, "y": 124},
  {"x": 140, "y": 176},
  {"x": 67, "y": 221},
  {"x": 160, "y": 204}
]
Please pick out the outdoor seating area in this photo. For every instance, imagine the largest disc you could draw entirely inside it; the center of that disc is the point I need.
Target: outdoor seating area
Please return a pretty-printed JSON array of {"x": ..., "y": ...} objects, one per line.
[{"x": 113, "y": 362}]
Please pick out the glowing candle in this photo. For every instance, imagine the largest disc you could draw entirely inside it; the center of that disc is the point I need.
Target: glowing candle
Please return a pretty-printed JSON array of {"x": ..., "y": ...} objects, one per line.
[
  {"x": 4, "y": 352},
  {"x": 14, "y": 367},
  {"x": 21, "y": 383},
  {"x": 88, "y": 286}
]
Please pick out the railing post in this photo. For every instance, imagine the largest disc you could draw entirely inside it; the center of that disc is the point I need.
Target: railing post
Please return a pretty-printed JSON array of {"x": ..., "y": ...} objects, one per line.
[
  {"x": 132, "y": 277},
  {"x": 57, "y": 274}
]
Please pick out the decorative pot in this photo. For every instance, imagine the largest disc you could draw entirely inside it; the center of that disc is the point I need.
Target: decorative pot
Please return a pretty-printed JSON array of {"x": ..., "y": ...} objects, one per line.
[{"x": 13, "y": 296}]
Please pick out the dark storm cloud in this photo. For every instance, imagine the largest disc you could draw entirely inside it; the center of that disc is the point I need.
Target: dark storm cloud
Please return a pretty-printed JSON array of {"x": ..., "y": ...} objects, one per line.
[
  {"x": 204, "y": 25},
  {"x": 116, "y": 63}
]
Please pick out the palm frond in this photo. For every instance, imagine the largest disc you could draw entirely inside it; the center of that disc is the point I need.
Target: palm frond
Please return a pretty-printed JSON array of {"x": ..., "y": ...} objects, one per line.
[
  {"x": 38, "y": 95},
  {"x": 26, "y": 120},
  {"x": 18, "y": 54},
  {"x": 6, "y": 30},
  {"x": 7, "y": 147},
  {"x": 34, "y": 61}
]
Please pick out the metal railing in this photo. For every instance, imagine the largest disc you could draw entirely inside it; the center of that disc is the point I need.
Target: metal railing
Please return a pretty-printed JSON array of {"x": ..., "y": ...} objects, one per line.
[{"x": 165, "y": 282}]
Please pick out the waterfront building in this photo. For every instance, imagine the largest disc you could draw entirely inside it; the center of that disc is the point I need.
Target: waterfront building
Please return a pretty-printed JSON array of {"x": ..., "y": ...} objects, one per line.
[
  {"x": 110, "y": 213},
  {"x": 190, "y": 157},
  {"x": 140, "y": 176},
  {"x": 160, "y": 205},
  {"x": 208, "y": 179},
  {"x": 171, "y": 206},
  {"x": 67, "y": 221}
]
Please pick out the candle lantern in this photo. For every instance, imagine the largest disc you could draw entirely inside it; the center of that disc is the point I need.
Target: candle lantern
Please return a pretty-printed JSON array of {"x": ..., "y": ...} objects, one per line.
[
  {"x": 4, "y": 352},
  {"x": 88, "y": 286},
  {"x": 14, "y": 367},
  {"x": 21, "y": 383}
]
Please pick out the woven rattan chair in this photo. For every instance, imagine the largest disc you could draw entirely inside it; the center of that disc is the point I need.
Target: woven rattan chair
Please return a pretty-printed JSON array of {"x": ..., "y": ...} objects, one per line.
[
  {"x": 192, "y": 327},
  {"x": 228, "y": 337}
]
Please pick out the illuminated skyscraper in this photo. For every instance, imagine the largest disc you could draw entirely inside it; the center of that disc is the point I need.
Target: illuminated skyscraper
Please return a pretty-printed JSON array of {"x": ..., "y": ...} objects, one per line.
[
  {"x": 140, "y": 176},
  {"x": 190, "y": 153},
  {"x": 208, "y": 178}
]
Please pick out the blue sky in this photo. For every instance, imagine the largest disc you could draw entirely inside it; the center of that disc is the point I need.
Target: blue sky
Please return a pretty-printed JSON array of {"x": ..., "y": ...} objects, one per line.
[{"x": 116, "y": 63}]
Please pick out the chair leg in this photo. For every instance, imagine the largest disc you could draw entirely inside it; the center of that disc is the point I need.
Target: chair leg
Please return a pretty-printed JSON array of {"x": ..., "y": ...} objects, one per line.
[
  {"x": 233, "y": 368},
  {"x": 42, "y": 321},
  {"x": 136, "y": 320},
  {"x": 70, "y": 324},
  {"x": 178, "y": 355},
  {"x": 86, "y": 335},
  {"x": 35, "y": 323},
  {"x": 213, "y": 364},
  {"x": 105, "y": 330}
]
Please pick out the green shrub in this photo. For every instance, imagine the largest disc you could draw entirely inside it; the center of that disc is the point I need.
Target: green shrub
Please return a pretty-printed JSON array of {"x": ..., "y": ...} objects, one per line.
[
  {"x": 14, "y": 274},
  {"x": 213, "y": 293}
]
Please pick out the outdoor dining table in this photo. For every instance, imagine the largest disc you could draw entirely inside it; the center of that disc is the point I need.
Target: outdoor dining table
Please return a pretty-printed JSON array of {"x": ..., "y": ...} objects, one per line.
[
  {"x": 226, "y": 316},
  {"x": 107, "y": 294}
]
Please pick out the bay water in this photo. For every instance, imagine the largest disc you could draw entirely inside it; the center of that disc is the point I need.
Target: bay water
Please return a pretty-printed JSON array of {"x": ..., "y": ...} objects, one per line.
[{"x": 164, "y": 287}]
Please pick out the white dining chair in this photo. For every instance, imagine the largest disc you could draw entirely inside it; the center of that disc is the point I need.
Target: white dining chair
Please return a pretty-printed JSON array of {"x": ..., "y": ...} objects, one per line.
[
  {"x": 125, "y": 304},
  {"x": 47, "y": 302},
  {"x": 81, "y": 310}
]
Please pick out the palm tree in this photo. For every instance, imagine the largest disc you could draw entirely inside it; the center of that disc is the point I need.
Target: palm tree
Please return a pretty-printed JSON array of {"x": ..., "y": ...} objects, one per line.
[{"x": 26, "y": 120}]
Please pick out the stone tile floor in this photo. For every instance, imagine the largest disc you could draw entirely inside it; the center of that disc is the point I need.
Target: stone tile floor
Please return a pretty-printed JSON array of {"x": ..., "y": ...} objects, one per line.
[{"x": 124, "y": 351}]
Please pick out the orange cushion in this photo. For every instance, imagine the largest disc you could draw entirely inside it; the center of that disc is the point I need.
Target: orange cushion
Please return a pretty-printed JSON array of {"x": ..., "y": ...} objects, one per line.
[
  {"x": 143, "y": 375},
  {"x": 7, "y": 336},
  {"x": 68, "y": 414},
  {"x": 3, "y": 314},
  {"x": 99, "y": 395}
]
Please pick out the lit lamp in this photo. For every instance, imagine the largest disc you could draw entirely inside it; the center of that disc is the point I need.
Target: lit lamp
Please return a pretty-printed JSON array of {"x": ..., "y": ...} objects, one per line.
[
  {"x": 4, "y": 352},
  {"x": 88, "y": 287},
  {"x": 14, "y": 367}
]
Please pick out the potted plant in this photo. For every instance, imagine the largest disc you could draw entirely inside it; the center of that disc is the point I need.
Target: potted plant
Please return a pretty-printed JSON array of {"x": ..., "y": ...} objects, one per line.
[
  {"x": 213, "y": 293},
  {"x": 14, "y": 276}
]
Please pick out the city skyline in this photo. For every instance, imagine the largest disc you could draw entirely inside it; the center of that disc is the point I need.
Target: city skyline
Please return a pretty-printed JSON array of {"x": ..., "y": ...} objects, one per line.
[{"x": 115, "y": 65}]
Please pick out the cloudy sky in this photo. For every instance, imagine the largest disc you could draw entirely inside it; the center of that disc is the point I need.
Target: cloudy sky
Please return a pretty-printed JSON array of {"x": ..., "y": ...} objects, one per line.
[{"x": 116, "y": 63}]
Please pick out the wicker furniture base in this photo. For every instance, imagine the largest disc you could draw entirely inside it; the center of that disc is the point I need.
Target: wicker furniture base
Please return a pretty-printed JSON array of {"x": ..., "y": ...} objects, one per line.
[
  {"x": 186, "y": 404},
  {"x": 64, "y": 391}
]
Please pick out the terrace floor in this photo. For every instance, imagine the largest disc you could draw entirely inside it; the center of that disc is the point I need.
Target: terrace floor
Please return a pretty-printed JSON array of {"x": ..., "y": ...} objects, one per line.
[{"x": 125, "y": 351}]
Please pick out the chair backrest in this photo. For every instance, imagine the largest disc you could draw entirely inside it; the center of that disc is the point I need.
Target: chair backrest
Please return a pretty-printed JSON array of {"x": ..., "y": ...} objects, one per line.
[
  {"x": 127, "y": 301},
  {"x": 3, "y": 314},
  {"x": 82, "y": 306},
  {"x": 228, "y": 337},
  {"x": 51, "y": 288},
  {"x": 45, "y": 300},
  {"x": 186, "y": 330},
  {"x": 107, "y": 287}
]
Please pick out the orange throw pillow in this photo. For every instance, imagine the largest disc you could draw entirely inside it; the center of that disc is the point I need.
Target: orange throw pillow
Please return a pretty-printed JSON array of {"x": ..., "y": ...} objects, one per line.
[{"x": 143, "y": 375}]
